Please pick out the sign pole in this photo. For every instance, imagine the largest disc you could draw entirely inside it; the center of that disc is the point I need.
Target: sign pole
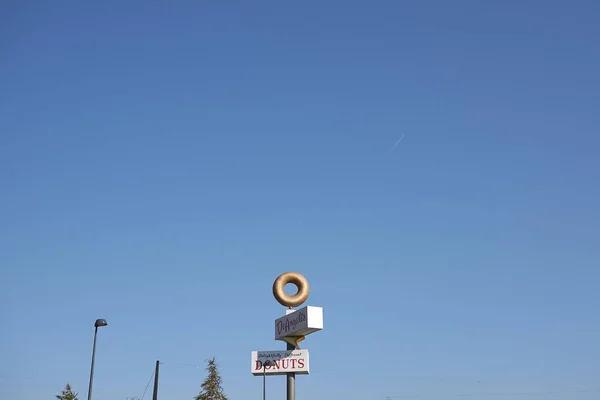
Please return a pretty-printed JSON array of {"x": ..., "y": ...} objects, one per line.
[{"x": 291, "y": 380}]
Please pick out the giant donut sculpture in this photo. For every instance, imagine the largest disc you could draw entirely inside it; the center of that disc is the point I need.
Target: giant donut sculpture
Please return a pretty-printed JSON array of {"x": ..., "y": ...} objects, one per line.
[{"x": 295, "y": 279}]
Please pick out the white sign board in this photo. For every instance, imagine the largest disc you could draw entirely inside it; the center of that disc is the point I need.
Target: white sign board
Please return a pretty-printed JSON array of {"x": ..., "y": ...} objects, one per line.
[
  {"x": 279, "y": 362},
  {"x": 300, "y": 322}
]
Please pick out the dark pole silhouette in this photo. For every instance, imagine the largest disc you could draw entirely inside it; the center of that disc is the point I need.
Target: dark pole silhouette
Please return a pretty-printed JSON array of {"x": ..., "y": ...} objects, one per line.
[
  {"x": 97, "y": 324},
  {"x": 265, "y": 365}
]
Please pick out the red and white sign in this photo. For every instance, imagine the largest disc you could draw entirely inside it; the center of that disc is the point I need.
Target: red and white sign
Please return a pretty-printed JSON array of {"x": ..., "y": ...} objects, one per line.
[{"x": 279, "y": 362}]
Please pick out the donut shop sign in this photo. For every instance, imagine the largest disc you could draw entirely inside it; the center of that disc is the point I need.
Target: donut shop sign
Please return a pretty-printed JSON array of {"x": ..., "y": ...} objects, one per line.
[
  {"x": 297, "y": 323},
  {"x": 280, "y": 362}
]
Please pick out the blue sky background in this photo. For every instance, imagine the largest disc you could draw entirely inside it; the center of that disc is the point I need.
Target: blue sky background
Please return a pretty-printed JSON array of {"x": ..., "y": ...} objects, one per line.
[{"x": 161, "y": 164}]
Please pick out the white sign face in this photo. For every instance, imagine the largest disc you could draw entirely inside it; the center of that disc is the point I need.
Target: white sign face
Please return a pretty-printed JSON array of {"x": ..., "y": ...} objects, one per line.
[
  {"x": 279, "y": 362},
  {"x": 300, "y": 322}
]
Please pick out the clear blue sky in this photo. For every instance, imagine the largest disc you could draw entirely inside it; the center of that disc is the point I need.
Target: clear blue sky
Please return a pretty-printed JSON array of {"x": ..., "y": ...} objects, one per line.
[{"x": 162, "y": 164}]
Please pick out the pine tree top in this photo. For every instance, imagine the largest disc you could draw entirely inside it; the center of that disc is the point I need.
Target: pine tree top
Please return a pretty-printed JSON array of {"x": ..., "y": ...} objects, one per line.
[
  {"x": 67, "y": 394},
  {"x": 211, "y": 387}
]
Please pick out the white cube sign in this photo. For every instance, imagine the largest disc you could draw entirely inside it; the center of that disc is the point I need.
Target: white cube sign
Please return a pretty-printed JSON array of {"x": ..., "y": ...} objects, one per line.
[
  {"x": 300, "y": 322},
  {"x": 279, "y": 362}
]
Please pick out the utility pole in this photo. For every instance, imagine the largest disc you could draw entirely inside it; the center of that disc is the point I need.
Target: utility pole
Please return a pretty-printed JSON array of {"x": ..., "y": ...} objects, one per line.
[{"x": 155, "y": 392}]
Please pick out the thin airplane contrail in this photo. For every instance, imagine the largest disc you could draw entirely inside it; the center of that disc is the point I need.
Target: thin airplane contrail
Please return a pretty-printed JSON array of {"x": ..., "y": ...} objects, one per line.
[{"x": 397, "y": 143}]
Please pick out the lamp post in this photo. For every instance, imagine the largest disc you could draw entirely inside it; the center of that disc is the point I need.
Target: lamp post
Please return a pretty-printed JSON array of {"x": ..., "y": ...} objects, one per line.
[
  {"x": 266, "y": 364},
  {"x": 97, "y": 324}
]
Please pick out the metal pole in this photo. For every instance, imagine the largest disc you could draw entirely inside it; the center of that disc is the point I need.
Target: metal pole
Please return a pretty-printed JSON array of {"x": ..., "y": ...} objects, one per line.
[
  {"x": 264, "y": 382},
  {"x": 155, "y": 392},
  {"x": 291, "y": 380},
  {"x": 92, "y": 370}
]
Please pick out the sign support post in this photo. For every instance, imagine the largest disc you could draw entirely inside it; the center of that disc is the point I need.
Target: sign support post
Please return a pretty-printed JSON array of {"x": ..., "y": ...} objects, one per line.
[{"x": 291, "y": 380}]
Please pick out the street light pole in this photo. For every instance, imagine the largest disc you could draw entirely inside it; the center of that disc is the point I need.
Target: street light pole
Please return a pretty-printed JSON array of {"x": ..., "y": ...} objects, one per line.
[
  {"x": 97, "y": 324},
  {"x": 266, "y": 364}
]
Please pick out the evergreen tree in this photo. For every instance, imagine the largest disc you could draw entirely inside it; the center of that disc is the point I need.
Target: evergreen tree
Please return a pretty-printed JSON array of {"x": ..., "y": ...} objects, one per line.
[
  {"x": 67, "y": 394},
  {"x": 211, "y": 387}
]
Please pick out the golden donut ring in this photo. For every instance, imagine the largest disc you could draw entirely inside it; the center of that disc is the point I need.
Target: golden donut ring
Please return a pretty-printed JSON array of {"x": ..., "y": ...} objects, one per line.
[{"x": 295, "y": 279}]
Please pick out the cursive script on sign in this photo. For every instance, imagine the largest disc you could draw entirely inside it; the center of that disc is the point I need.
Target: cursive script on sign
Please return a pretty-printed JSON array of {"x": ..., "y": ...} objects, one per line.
[
  {"x": 289, "y": 324},
  {"x": 278, "y": 356},
  {"x": 298, "y": 323}
]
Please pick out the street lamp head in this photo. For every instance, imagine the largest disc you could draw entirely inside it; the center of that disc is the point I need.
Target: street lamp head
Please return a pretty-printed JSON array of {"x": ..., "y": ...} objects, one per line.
[
  {"x": 267, "y": 363},
  {"x": 100, "y": 322}
]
